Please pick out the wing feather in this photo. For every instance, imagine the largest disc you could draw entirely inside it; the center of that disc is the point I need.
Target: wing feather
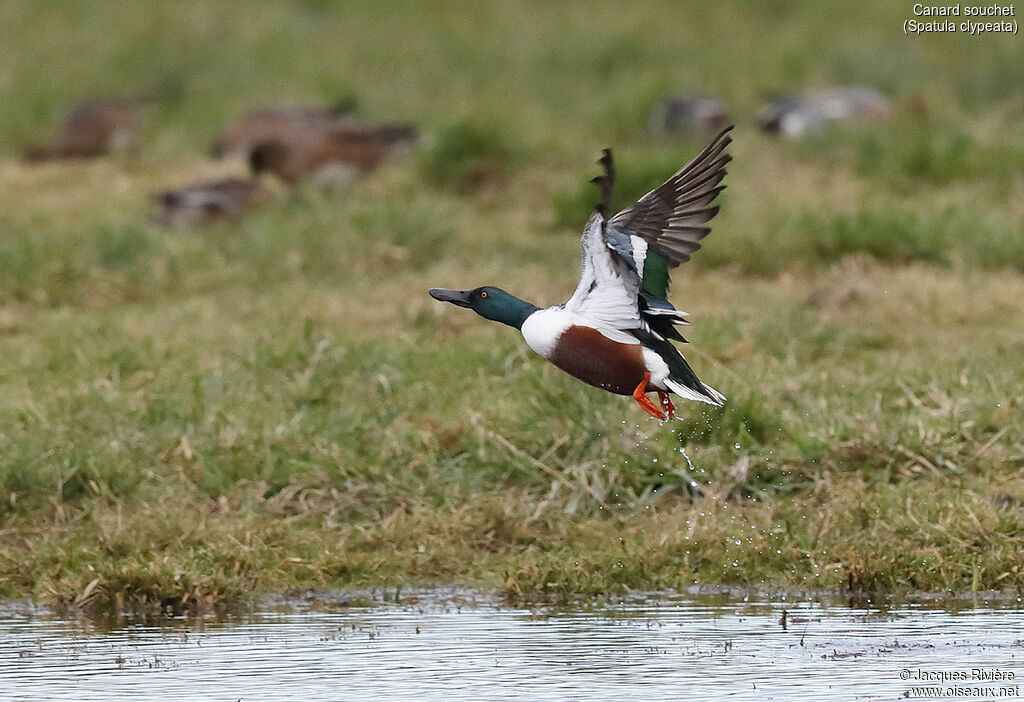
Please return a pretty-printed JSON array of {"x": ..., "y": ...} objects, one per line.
[
  {"x": 669, "y": 220},
  {"x": 606, "y": 296},
  {"x": 669, "y": 217},
  {"x": 665, "y": 226}
]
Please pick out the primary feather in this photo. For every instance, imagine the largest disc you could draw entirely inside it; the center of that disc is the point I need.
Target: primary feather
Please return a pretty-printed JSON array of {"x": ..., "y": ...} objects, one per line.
[{"x": 671, "y": 216}]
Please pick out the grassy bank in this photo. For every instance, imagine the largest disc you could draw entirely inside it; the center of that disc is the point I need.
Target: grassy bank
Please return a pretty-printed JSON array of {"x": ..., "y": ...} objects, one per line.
[{"x": 200, "y": 416}]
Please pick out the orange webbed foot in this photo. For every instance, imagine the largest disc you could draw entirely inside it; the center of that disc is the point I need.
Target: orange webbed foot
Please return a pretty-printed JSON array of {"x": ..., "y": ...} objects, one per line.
[{"x": 646, "y": 403}]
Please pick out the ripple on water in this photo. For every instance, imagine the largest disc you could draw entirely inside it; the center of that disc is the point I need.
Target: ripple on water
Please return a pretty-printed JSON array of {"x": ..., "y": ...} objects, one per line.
[{"x": 434, "y": 647}]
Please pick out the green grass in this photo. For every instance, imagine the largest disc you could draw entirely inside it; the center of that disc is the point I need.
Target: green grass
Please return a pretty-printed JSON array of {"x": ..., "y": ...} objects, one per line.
[
  {"x": 807, "y": 238},
  {"x": 198, "y": 416},
  {"x": 466, "y": 157}
]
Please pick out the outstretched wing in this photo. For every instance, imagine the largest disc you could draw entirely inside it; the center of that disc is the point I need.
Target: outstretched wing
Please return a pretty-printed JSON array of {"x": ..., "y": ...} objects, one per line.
[
  {"x": 626, "y": 260},
  {"x": 659, "y": 232},
  {"x": 670, "y": 218}
]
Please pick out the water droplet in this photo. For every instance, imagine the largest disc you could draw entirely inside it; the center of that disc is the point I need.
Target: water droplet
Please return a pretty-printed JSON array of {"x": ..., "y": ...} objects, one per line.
[
  {"x": 686, "y": 456},
  {"x": 736, "y": 446}
]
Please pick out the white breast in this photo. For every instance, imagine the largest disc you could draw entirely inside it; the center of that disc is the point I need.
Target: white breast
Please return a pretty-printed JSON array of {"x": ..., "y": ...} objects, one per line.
[{"x": 542, "y": 329}]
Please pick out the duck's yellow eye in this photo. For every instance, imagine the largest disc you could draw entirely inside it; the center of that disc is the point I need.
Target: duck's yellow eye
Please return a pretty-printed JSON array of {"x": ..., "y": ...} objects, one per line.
[{"x": 483, "y": 294}]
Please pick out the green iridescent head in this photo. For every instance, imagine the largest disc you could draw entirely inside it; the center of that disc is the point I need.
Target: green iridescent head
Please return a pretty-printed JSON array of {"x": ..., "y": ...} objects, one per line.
[{"x": 489, "y": 302}]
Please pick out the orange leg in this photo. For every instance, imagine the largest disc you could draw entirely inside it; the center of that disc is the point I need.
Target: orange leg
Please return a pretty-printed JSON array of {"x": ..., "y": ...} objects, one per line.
[
  {"x": 648, "y": 406},
  {"x": 666, "y": 404}
]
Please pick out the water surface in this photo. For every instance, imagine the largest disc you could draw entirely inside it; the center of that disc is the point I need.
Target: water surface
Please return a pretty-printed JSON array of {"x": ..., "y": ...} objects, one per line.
[{"x": 440, "y": 645}]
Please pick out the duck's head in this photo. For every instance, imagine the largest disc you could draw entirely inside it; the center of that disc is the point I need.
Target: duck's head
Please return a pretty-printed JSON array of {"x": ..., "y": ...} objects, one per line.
[
  {"x": 489, "y": 302},
  {"x": 267, "y": 156}
]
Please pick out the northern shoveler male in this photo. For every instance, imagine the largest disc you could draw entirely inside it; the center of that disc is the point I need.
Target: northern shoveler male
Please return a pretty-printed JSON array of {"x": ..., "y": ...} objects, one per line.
[{"x": 615, "y": 332}]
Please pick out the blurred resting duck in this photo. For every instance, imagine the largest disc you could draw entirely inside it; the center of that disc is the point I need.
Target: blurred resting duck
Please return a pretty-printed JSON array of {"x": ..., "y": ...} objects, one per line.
[
  {"x": 799, "y": 116},
  {"x": 93, "y": 128},
  {"x": 331, "y": 155},
  {"x": 689, "y": 115},
  {"x": 276, "y": 123},
  {"x": 205, "y": 203}
]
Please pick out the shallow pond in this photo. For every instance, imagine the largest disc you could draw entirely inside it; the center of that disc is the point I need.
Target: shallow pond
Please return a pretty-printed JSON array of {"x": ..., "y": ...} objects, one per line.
[{"x": 461, "y": 646}]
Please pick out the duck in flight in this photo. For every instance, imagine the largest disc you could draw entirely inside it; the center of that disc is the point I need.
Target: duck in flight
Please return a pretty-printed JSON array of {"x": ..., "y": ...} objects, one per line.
[{"x": 617, "y": 329}]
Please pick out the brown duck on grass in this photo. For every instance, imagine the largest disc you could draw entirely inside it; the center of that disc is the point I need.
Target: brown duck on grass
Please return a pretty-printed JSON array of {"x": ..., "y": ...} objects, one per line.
[
  {"x": 92, "y": 128},
  {"x": 276, "y": 123},
  {"x": 332, "y": 155}
]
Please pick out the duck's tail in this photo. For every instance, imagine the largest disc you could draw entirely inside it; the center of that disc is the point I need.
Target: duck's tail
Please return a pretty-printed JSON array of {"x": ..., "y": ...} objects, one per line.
[
  {"x": 681, "y": 378},
  {"x": 706, "y": 394}
]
